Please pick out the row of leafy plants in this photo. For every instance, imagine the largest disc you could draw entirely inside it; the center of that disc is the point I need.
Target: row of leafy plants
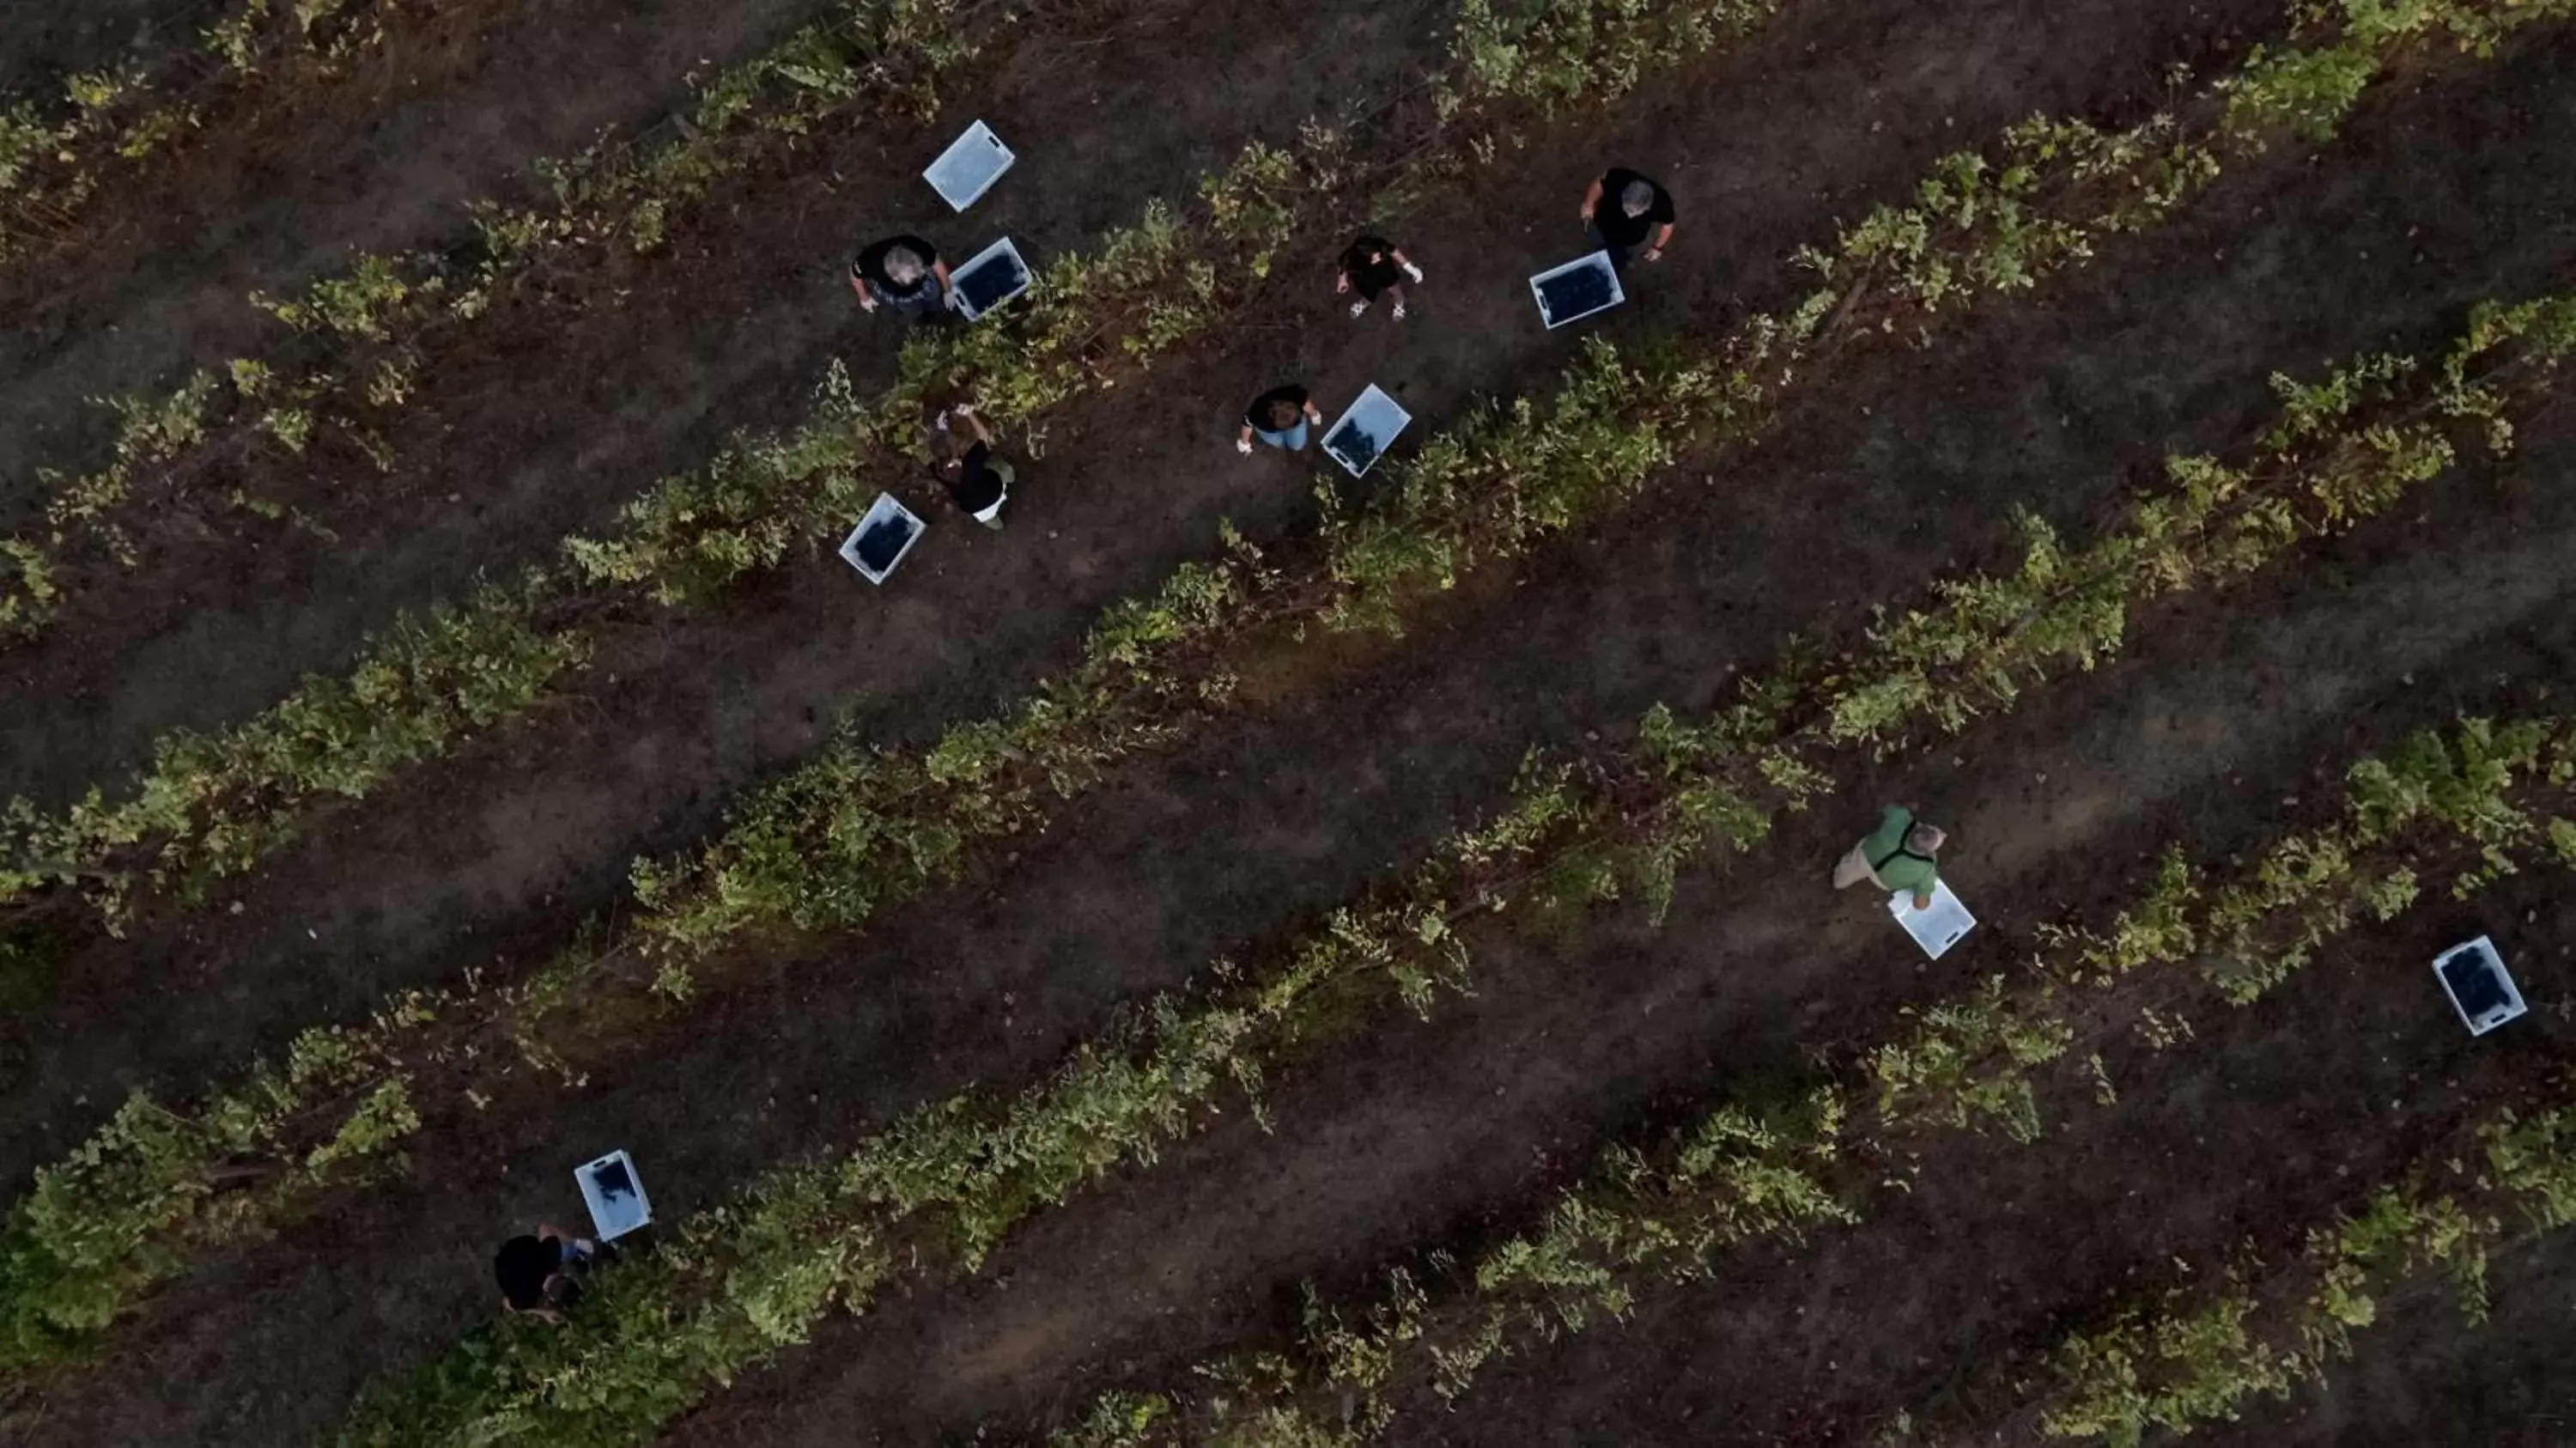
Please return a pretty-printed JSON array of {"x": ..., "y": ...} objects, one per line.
[
  {"x": 1977, "y": 219},
  {"x": 378, "y": 319},
  {"x": 1146, "y": 289},
  {"x": 361, "y": 339},
  {"x": 1777, "y": 1171},
  {"x": 828, "y": 1233},
  {"x": 2186, "y": 1358},
  {"x": 56, "y": 150},
  {"x": 132, "y": 1207},
  {"x": 1129, "y": 659}
]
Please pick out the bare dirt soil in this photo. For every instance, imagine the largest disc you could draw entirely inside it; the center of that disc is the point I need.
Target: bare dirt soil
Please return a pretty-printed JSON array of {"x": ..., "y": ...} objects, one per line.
[
  {"x": 289, "y": 175},
  {"x": 1413, "y": 1133}
]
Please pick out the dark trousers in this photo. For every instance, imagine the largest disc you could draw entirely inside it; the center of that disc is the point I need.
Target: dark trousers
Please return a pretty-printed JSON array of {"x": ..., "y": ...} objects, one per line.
[{"x": 1620, "y": 256}]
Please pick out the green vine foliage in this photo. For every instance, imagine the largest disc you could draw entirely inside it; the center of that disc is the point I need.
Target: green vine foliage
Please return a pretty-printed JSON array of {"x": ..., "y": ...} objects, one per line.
[
  {"x": 54, "y": 154},
  {"x": 2181, "y": 1363},
  {"x": 879, "y": 826},
  {"x": 892, "y": 54},
  {"x": 1000, "y": 768},
  {"x": 212, "y": 806}
]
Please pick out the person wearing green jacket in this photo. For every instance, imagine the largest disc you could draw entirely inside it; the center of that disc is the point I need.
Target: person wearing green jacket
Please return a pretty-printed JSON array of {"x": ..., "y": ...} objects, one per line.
[{"x": 1895, "y": 856}]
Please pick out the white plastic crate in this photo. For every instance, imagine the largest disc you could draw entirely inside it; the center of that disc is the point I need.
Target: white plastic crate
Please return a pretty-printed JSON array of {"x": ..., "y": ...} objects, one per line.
[
  {"x": 2474, "y": 977},
  {"x": 1359, "y": 437},
  {"x": 969, "y": 167},
  {"x": 989, "y": 278},
  {"x": 614, "y": 1194},
  {"x": 883, "y": 537},
  {"x": 1584, "y": 287},
  {"x": 1937, "y": 927}
]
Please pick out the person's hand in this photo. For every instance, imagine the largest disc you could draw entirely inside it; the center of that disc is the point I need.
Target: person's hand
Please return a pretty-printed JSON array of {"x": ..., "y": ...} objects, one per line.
[
  {"x": 867, "y": 303},
  {"x": 1243, "y": 445},
  {"x": 1341, "y": 284},
  {"x": 964, "y": 409},
  {"x": 1312, "y": 415},
  {"x": 1922, "y": 900},
  {"x": 1414, "y": 272},
  {"x": 1654, "y": 253}
]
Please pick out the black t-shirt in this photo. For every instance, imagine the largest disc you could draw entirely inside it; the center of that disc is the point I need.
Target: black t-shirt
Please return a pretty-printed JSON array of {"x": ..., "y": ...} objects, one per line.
[
  {"x": 870, "y": 265},
  {"x": 976, "y": 486},
  {"x": 522, "y": 1267},
  {"x": 1616, "y": 224},
  {"x": 1258, "y": 414},
  {"x": 1370, "y": 264}
]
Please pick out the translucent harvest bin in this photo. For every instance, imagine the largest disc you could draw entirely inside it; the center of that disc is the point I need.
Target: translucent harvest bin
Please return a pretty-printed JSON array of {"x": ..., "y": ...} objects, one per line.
[
  {"x": 883, "y": 536},
  {"x": 614, "y": 1194},
  {"x": 1936, "y": 927},
  {"x": 2474, "y": 977},
  {"x": 991, "y": 277},
  {"x": 1583, "y": 287},
  {"x": 969, "y": 167},
  {"x": 1358, "y": 438}
]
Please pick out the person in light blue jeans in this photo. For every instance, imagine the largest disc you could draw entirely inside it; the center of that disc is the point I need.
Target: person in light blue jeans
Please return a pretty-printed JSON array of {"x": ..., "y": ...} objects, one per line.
[{"x": 1279, "y": 417}]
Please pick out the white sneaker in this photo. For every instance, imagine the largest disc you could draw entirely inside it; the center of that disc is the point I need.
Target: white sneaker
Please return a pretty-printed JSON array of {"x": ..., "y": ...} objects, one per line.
[
  {"x": 1399, "y": 311},
  {"x": 1358, "y": 307}
]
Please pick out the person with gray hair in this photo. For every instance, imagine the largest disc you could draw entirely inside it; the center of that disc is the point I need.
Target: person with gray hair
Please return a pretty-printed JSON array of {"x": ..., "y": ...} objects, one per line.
[
  {"x": 905, "y": 273},
  {"x": 1895, "y": 856},
  {"x": 1638, "y": 222}
]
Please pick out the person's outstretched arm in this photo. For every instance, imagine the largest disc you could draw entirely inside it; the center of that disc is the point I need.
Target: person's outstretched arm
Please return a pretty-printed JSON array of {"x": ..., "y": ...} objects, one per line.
[
  {"x": 1591, "y": 198},
  {"x": 1243, "y": 444},
  {"x": 939, "y": 269},
  {"x": 866, "y": 303},
  {"x": 1663, "y": 238},
  {"x": 1405, "y": 262}
]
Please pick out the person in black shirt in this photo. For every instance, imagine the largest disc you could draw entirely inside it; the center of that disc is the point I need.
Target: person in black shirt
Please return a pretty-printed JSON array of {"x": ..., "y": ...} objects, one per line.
[
  {"x": 535, "y": 1272},
  {"x": 978, "y": 481},
  {"x": 1639, "y": 215},
  {"x": 1377, "y": 268},
  {"x": 1278, "y": 417},
  {"x": 902, "y": 272}
]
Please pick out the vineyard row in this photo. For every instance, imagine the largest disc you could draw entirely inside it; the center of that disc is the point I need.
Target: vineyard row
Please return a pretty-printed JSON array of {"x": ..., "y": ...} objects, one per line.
[
  {"x": 211, "y": 806},
  {"x": 942, "y": 1187},
  {"x": 1777, "y": 1171},
  {"x": 138, "y": 1212}
]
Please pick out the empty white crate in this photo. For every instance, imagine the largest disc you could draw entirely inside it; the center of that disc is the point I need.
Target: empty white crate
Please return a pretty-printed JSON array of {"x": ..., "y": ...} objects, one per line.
[
  {"x": 614, "y": 1194},
  {"x": 1583, "y": 287},
  {"x": 969, "y": 167},
  {"x": 883, "y": 536},
  {"x": 989, "y": 278},
  {"x": 1359, "y": 436},
  {"x": 1937, "y": 926},
  {"x": 2474, "y": 977}
]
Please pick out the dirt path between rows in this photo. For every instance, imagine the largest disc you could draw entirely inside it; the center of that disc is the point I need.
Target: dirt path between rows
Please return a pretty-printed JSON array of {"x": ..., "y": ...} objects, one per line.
[
  {"x": 548, "y": 414},
  {"x": 1433, "y": 1132},
  {"x": 50, "y": 40},
  {"x": 2422, "y": 1374},
  {"x": 1271, "y": 818},
  {"x": 1418, "y": 1134},
  {"x": 491, "y": 855},
  {"x": 285, "y": 181}
]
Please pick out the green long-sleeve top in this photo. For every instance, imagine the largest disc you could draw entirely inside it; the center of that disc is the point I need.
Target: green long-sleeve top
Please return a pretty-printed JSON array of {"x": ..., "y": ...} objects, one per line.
[{"x": 1898, "y": 868}]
